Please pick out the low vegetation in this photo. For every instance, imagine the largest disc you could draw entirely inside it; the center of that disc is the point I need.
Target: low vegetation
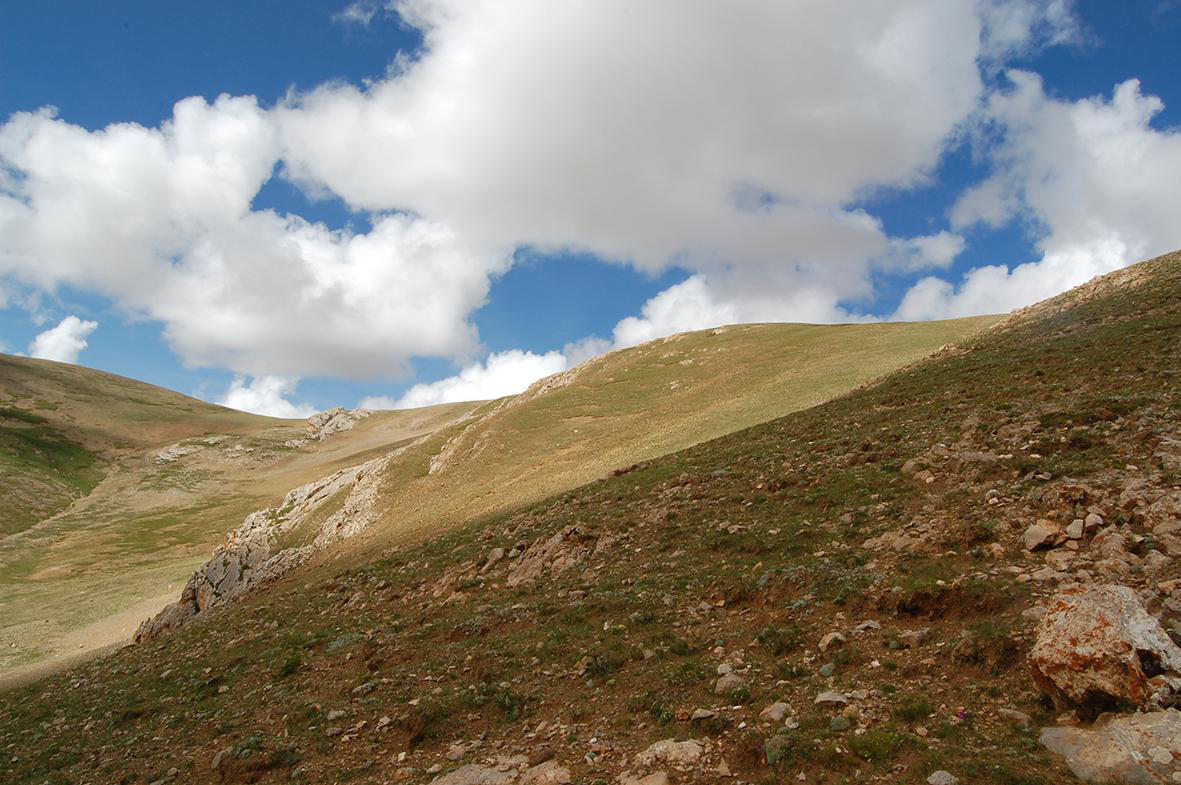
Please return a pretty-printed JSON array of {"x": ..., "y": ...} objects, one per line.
[{"x": 588, "y": 625}]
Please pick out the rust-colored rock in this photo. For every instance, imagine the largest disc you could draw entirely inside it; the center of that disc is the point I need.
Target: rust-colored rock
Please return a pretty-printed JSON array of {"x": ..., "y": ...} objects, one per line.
[{"x": 1098, "y": 649}]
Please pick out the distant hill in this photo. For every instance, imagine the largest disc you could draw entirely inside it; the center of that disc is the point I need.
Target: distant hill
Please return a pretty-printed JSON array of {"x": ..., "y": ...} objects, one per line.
[
  {"x": 637, "y": 404},
  {"x": 112, "y": 490},
  {"x": 62, "y": 425}
]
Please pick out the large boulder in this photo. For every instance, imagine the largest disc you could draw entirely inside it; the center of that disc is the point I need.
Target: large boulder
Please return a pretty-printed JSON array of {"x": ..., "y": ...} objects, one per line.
[
  {"x": 1138, "y": 749},
  {"x": 1098, "y": 649}
]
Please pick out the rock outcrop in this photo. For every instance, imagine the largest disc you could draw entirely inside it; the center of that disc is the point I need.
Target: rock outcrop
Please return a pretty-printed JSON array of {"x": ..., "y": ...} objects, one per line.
[
  {"x": 271, "y": 542},
  {"x": 1098, "y": 649},
  {"x": 323, "y": 424},
  {"x": 554, "y": 556},
  {"x": 1139, "y": 749}
]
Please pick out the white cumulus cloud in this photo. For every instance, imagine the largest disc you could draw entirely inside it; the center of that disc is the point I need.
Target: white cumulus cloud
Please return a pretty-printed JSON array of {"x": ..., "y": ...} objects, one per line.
[
  {"x": 1098, "y": 180},
  {"x": 733, "y": 140},
  {"x": 501, "y": 374},
  {"x": 160, "y": 221},
  {"x": 730, "y": 139},
  {"x": 64, "y": 342},
  {"x": 267, "y": 395}
]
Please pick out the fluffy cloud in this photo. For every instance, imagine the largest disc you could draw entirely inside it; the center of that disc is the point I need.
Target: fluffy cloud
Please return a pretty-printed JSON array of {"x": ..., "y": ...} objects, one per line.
[
  {"x": 726, "y": 138},
  {"x": 1098, "y": 180},
  {"x": 731, "y": 140},
  {"x": 64, "y": 342},
  {"x": 503, "y": 373},
  {"x": 265, "y": 395},
  {"x": 160, "y": 221}
]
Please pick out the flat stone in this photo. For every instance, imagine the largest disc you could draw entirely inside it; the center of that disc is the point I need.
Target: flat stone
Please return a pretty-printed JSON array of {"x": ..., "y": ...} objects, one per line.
[
  {"x": 1134, "y": 749},
  {"x": 680, "y": 754},
  {"x": 1042, "y": 534},
  {"x": 831, "y": 699},
  {"x": 775, "y": 712}
]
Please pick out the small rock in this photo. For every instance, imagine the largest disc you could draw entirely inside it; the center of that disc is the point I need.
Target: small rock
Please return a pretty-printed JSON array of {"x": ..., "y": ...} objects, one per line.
[
  {"x": 834, "y": 699},
  {"x": 828, "y": 669},
  {"x": 942, "y": 777},
  {"x": 335, "y": 715},
  {"x": 702, "y": 714},
  {"x": 728, "y": 683},
  {"x": 912, "y": 639},
  {"x": 831, "y": 641},
  {"x": 867, "y": 626},
  {"x": 839, "y": 723},
  {"x": 1042, "y": 534},
  {"x": 775, "y": 712},
  {"x": 680, "y": 754},
  {"x": 1075, "y": 530}
]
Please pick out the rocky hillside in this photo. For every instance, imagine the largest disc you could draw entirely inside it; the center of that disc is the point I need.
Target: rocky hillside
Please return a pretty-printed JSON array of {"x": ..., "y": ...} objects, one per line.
[
  {"x": 964, "y": 573},
  {"x": 563, "y": 431},
  {"x": 112, "y": 491}
]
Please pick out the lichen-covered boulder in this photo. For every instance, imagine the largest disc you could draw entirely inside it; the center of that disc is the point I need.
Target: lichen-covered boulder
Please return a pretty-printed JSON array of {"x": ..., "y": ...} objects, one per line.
[{"x": 1098, "y": 649}]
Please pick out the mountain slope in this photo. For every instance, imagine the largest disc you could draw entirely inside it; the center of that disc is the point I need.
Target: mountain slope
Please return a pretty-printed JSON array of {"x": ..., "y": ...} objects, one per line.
[
  {"x": 565, "y": 430},
  {"x": 589, "y": 626},
  {"x": 637, "y": 404},
  {"x": 61, "y": 426},
  {"x": 112, "y": 490}
]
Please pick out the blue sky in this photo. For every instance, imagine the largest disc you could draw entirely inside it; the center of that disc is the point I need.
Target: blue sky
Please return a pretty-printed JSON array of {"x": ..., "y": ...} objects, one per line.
[{"x": 555, "y": 260}]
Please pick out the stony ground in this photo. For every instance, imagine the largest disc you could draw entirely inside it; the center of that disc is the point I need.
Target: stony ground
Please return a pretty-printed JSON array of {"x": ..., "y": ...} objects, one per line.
[{"x": 848, "y": 594}]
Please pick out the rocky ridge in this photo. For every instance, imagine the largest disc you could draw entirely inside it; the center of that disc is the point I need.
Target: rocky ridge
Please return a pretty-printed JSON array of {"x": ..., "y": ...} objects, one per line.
[{"x": 253, "y": 555}]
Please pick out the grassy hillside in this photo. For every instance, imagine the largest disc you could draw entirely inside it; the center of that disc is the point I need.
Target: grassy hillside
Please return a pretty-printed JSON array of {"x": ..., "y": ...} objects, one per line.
[
  {"x": 119, "y": 539},
  {"x": 608, "y": 632},
  {"x": 98, "y": 530},
  {"x": 61, "y": 427},
  {"x": 636, "y": 404}
]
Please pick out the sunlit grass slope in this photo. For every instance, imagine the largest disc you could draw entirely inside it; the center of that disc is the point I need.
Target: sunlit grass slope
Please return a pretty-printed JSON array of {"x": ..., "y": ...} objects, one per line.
[
  {"x": 97, "y": 531},
  {"x": 640, "y": 403}
]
